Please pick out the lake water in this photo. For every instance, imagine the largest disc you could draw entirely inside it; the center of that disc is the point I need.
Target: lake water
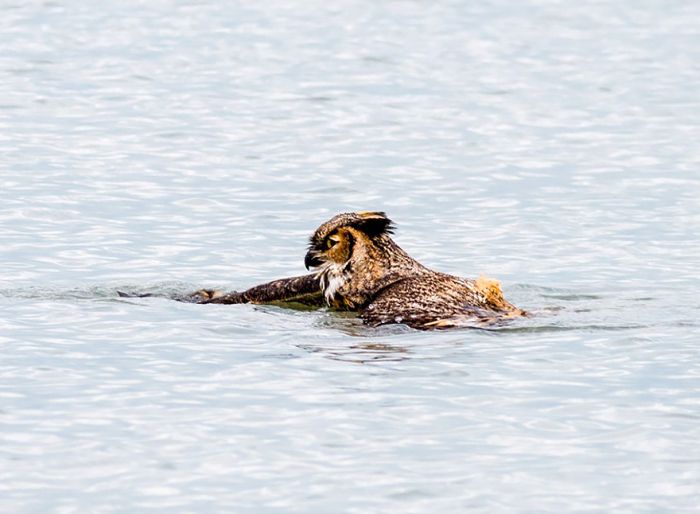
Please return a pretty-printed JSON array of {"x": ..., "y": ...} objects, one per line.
[{"x": 171, "y": 145}]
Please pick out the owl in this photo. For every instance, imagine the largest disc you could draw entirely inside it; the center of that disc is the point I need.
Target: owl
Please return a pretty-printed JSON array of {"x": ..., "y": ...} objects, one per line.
[{"x": 358, "y": 267}]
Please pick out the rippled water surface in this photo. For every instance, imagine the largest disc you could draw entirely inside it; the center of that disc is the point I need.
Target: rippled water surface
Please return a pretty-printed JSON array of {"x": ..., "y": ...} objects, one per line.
[{"x": 167, "y": 146}]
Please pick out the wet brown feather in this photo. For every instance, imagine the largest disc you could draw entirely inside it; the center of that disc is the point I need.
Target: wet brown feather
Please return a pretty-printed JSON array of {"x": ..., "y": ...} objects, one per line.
[{"x": 360, "y": 268}]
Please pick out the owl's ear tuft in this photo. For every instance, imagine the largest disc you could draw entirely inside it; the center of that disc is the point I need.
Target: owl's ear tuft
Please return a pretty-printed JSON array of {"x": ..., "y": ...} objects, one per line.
[{"x": 373, "y": 223}]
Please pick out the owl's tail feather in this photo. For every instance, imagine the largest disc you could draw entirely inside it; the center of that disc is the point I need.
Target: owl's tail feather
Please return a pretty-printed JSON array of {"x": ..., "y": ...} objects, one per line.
[{"x": 491, "y": 289}]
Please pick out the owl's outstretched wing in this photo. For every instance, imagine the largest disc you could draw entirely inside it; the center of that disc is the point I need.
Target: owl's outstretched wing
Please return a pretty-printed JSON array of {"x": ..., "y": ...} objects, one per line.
[{"x": 305, "y": 289}]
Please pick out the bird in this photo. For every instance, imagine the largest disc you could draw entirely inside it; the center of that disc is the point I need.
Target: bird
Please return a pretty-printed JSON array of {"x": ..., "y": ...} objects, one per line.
[{"x": 357, "y": 266}]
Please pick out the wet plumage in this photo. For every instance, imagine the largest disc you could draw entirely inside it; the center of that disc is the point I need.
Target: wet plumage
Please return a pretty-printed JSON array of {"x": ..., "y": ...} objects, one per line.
[
  {"x": 358, "y": 267},
  {"x": 361, "y": 268}
]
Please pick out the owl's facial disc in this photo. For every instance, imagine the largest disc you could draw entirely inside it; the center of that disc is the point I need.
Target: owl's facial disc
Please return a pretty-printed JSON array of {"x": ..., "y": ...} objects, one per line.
[{"x": 336, "y": 248}]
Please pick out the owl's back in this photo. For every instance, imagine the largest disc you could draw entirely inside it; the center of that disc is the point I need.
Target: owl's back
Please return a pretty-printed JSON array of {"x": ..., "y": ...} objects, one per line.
[{"x": 437, "y": 300}]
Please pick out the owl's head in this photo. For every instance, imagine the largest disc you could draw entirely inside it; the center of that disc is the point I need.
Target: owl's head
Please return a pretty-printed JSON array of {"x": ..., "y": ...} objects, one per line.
[{"x": 336, "y": 240}]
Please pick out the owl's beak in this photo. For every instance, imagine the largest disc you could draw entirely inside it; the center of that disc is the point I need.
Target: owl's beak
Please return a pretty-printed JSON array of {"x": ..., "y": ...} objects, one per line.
[{"x": 311, "y": 260}]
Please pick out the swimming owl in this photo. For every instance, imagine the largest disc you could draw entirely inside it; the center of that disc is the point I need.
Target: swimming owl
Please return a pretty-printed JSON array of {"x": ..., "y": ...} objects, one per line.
[{"x": 358, "y": 267}]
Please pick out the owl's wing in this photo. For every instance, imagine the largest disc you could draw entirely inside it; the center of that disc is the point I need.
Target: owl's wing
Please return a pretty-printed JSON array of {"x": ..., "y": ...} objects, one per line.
[{"x": 305, "y": 289}]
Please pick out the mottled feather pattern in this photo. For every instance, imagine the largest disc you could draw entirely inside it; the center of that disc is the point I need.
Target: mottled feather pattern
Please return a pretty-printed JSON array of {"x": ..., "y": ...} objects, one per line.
[{"x": 385, "y": 285}]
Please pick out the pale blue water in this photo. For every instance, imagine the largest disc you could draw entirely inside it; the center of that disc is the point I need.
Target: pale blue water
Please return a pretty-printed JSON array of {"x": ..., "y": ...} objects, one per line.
[{"x": 169, "y": 146}]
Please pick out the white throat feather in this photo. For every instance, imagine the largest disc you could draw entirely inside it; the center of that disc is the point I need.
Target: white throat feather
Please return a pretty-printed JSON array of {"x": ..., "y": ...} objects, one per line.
[{"x": 332, "y": 277}]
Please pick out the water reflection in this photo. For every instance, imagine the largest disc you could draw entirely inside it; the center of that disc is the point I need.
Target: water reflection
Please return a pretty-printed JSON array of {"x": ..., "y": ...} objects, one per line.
[{"x": 362, "y": 353}]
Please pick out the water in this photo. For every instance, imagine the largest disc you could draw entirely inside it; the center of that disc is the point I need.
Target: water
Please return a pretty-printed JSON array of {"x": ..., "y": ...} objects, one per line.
[{"x": 169, "y": 146}]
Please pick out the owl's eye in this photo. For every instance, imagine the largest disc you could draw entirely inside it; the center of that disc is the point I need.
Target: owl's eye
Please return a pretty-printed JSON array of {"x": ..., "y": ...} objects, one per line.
[{"x": 330, "y": 243}]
